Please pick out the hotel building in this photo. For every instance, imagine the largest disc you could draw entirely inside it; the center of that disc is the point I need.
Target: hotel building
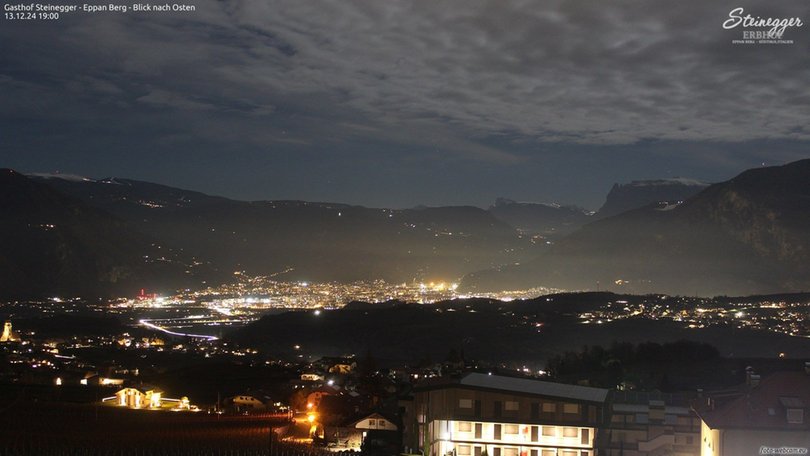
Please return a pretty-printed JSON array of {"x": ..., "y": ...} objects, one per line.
[{"x": 487, "y": 415}]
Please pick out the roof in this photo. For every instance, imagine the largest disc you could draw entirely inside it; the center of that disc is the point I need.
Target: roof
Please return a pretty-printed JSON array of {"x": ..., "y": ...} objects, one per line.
[
  {"x": 363, "y": 416},
  {"x": 640, "y": 408},
  {"x": 764, "y": 406},
  {"x": 525, "y": 386}
]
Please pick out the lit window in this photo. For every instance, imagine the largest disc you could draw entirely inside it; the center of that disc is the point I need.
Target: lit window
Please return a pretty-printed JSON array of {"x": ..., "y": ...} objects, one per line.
[
  {"x": 464, "y": 426},
  {"x": 549, "y": 452},
  {"x": 570, "y": 408},
  {"x": 510, "y": 452},
  {"x": 372, "y": 422},
  {"x": 570, "y": 432},
  {"x": 465, "y": 403},
  {"x": 549, "y": 407},
  {"x": 549, "y": 431},
  {"x": 510, "y": 429},
  {"x": 510, "y": 406},
  {"x": 464, "y": 450}
]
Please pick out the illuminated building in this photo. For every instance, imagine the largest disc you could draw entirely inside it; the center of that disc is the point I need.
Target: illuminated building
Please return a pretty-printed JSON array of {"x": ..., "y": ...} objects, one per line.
[
  {"x": 349, "y": 435},
  {"x": 133, "y": 398},
  {"x": 246, "y": 403},
  {"x": 8, "y": 335},
  {"x": 761, "y": 417},
  {"x": 481, "y": 414}
]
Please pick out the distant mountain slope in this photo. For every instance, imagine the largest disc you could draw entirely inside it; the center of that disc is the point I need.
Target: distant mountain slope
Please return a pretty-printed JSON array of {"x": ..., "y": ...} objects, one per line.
[
  {"x": 636, "y": 194},
  {"x": 312, "y": 241},
  {"x": 537, "y": 218},
  {"x": 54, "y": 245},
  {"x": 748, "y": 235}
]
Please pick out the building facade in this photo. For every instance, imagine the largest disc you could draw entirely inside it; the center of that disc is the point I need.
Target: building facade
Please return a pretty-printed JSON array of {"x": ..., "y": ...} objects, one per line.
[
  {"x": 645, "y": 424},
  {"x": 764, "y": 417},
  {"x": 486, "y": 415}
]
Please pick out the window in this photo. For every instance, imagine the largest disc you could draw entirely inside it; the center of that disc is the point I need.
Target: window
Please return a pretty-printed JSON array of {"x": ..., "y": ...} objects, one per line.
[
  {"x": 535, "y": 433},
  {"x": 464, "y": 450},
  {"x": 477, "y": 451},
  {"x": 479, "y": 430},
  {"x": 510, "y": 429},
  {"x": 549, "y": 407},
  {"x": 533, "y": 453},
  {"x": 570, "y": 408},
  {"x": 465, "y": 403},
  {"x": 464, "y": 426},
  {"x": 549, "y": 452},
  {"x": 569, "y": 453},
  {"x": 535, "y": 410},
  {"x": 510, "y": 406},
  {"x": 570, "y": 432},
  {"x": 496, "y": 432},
  {"x": 496, "y": 451},
  {"x": 510, "y": 452},
  {"x": 372, "y": 422},
  {"x": 795, "y": 416},
  {"x": 586, "y": 437},
  {"x": 497, "y": 408},
  {"x": 381, "y": 423},
  {"x": 549, "y": 431}
]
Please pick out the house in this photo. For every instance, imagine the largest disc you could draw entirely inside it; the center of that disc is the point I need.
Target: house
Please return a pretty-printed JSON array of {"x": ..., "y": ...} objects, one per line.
[
  {"x": 349, "y": 435},
  {"x": 480, "y": 414},
  {"x": 311, "y": 377},
  {"x": 134, "y": 398},
  {"x": 152, "y": 399},
  {"x": 246, "y": 403},
  {"x": 765, "y": 416},
  {"x": 338, "y": 365}
]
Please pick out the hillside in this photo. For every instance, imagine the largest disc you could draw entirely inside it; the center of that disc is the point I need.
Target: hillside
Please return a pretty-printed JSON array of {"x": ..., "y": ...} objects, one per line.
[
  {"x": 309, "y": 240},
  {"x": 747, "y": 235},
  {"x": 55, "y": 245}
]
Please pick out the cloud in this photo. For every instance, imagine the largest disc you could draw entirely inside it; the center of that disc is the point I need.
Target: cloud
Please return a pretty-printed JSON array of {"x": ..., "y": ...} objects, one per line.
[{"x": 448, "y": 75}]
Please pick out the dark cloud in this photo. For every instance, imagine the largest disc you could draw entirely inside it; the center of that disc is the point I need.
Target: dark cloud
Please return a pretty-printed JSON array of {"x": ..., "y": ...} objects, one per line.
[{"x": 501, "y": 84}]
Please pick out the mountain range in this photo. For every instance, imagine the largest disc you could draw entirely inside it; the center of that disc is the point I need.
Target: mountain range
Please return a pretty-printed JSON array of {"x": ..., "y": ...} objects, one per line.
[
  {"x": 748, "y": 235},
  {"x": 107, "y": 237},
  {"x": 298, "y": 240},
  {"x": 625, "y": 197},
  {"x": 55, "y": 245}
]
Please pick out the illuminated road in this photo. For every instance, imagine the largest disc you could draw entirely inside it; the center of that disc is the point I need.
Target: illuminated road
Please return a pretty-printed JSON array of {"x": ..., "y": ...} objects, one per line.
[{"x": 149, "y": 324}]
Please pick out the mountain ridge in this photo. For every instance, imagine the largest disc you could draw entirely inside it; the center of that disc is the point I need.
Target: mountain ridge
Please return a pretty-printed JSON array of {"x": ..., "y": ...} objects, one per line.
[{"x": 749, "y": 235}]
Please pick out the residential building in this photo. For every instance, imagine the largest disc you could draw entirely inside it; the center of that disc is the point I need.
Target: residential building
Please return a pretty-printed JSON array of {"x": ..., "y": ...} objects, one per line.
[
  {"x": 349, "y": 435},
  {"x": 650, "y": 423},
  {"x": 767, "y": 416},
  {"x": 479, "y": 414}
]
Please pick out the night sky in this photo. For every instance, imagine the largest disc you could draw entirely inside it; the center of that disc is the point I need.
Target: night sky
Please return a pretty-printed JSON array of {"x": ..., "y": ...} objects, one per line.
[{"x": 399, "y": 103}]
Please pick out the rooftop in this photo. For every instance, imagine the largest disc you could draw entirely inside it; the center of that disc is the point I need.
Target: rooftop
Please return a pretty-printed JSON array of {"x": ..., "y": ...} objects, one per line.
[
  {"x": 763, "y": 406},
  {"x": 522, "y": 386}
]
